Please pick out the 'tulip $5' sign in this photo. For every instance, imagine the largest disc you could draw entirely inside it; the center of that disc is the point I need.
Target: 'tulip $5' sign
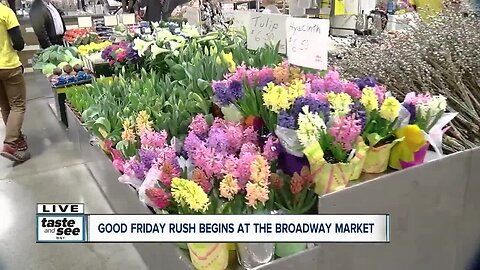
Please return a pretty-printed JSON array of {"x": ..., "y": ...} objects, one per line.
[
  {"x": 264, "y": 29},
  {"x": 307, "y": 42}
]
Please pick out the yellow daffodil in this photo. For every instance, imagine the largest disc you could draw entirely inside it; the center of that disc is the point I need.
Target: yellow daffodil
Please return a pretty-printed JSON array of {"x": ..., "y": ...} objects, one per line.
[
  {"x": 390, "y": 109},
  {"x": 369, "y": 99},
  {"x": 228, "y": 58}
]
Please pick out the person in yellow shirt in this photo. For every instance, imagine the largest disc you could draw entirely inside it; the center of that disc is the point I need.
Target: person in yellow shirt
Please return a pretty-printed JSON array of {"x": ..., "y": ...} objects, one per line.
[{"x": 12, "y": 86}]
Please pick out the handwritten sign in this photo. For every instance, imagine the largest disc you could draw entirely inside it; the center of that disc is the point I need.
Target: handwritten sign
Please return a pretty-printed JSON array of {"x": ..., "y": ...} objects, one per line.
[
  {"x": 84, "y": 22},
  {"x": 111, "y": 20},
  {"x": 128, "y": 19},
  {"x": 307, "y": 42},
  {"x": 265, "y": 29}
]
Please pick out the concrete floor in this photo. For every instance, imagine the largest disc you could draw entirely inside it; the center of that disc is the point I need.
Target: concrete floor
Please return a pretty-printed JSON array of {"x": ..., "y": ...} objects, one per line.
[{"x": 56, "y": 173}]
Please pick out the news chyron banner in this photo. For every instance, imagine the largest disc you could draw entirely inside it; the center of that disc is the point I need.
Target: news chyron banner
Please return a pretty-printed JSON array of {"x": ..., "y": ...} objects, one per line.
[{"x": 68, "y": 223}]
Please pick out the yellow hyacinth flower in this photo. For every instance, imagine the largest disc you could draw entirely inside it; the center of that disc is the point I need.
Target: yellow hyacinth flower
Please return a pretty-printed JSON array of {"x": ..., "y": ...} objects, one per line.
[
  {"x": 229, "y": 187},
  {"x": 228, "y": 58},
  {"x": 128, "y": 133},
  {"x": 143, "y": 122},
  {"x": 276, "y": 97},
  {"x": 190, "y": 194},
  {"x": 296, "y": 89},
  {"x": 369, "y": 99},
  {"x": 390, "y": 109},
  {"x": 340, "y": 103}
]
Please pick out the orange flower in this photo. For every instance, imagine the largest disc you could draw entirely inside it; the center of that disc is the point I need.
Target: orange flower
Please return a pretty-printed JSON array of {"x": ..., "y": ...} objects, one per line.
[{"x": 249, "y": 121}]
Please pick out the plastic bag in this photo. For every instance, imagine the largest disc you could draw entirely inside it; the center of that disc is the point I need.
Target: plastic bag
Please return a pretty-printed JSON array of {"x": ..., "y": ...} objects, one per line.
[
  {"x": 150, "y": 181},
  {"x": 289, "y": 140},
  {"x": 130, "y": 180}
]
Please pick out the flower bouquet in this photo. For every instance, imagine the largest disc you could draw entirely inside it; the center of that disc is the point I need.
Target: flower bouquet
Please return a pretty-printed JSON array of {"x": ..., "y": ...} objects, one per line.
[
  {"x": 382, "y": 119},
  {"x": 293, "y": 195},
  {"x": 333, "y": 148},
  {"x": 426, "y": 127},
  {"x": 121, "y": 55}
]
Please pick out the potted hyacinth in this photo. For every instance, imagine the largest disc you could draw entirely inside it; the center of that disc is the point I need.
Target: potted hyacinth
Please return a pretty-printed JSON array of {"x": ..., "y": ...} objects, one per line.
[
  {"x": 426, "y": 126},
  {"x": 295, "y": 196},
  {"x": 332, "y": 148},
  {"x": 382, "y": 118},
  {"x": 234, "y": 169}
]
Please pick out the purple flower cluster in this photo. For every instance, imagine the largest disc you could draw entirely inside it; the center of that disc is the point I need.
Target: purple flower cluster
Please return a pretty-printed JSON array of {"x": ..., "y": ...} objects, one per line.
[
  {"x": 147, "y": 157},
  {"x": 132, "y": 54},
  {"x": 227, "y": 92},
  {"x": 286, "y": 120},
  {"x": 359, "y": 113},
  {"x": 369, "y": 81},
  {"x": 412, "y": 109},
  {"x": 314, "y": 105}
]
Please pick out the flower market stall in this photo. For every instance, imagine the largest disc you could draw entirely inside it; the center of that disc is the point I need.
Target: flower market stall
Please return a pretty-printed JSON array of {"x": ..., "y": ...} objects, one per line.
[{"x": 201, "y": 124}]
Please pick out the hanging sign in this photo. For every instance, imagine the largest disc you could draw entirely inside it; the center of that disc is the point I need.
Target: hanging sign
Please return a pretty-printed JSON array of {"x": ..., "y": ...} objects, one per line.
[
  {"x": 84, "y": 22},
  {"x": 307, "y": 42},
  {"x": 111, "y": 20},
  {"x": 266, "y": 28},
  {"x": 128, "y": 19}
]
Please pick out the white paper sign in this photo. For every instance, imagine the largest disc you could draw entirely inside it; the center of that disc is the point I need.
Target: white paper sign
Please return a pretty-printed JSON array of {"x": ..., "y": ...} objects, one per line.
[
  {"x": 84, "y": 22},
  {"x": 307, "y": 42},
  {"x": 128, "y": 19},
  {"x": 266, "y": 28},
  {"x": 111, "y": 20},
  {"x": 239, "y": 19}
]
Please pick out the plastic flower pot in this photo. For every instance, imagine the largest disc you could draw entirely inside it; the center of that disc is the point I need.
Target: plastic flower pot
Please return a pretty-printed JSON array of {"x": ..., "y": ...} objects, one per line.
[
  {"x": 283, "y": 250},
  {"x": 377, "y": 158},
  {"x": 358, "y": 161},
  {"x": 327, "y": 177},
  {"x": 209, "y": 256},
  {"x": 402, "y": 157}
]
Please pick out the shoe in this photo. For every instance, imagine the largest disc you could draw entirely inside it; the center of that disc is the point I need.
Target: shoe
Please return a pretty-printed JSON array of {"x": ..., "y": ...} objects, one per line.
[{"x": 13, "y": 152}]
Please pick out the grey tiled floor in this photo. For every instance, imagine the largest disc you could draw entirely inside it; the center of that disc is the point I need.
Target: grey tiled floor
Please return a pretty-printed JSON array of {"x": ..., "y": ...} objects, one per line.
[{"x": 56, "y": 173}]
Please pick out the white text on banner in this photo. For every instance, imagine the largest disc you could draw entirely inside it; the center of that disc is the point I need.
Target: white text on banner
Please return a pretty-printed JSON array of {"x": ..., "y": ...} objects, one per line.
[
  {"x": 307, "y": 42},
  {"x": 238, "y": 228},
  {"x": 266, "y": 28}
]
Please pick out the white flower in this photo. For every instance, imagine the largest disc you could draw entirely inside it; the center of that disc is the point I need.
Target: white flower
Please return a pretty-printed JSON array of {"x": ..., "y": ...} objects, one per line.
[
  {"x": 164, "y": 35},
  {"x": 174, "y": 45},
  {"x": 141, "y": 46},
  {"x": 156, "y": 50},
  {"x": 190, "y": 31},
  {"x": 438, "y": 103},
  {"x": 310, "y": 127}
]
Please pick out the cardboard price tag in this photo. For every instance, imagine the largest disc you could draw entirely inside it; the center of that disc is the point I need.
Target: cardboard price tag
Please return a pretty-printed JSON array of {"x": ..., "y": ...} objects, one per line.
[
  {"x": 111, "y": 20},
  {"x": 84, "y": 22},
  {"x": 128, "y": 19},
  {"x": 307, "y": 42},
  {"x": 266, "y": 28}
]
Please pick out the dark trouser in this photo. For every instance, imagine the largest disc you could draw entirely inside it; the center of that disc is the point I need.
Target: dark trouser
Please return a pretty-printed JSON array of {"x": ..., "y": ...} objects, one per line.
[
  {"x": 12, "y": 102},
  {"x": 12, "y": 4}
]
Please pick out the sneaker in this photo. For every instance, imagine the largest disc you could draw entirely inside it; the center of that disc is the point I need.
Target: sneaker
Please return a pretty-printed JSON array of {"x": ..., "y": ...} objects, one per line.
[
  {"x": 21, "y": 144},
  {"x": 13, "y": 152}
]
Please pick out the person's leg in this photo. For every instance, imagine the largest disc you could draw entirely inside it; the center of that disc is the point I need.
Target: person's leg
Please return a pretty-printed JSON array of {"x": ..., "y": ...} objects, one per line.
[
  {"x": 4, "y": 105},
  {"x": 14, "y": 86}
]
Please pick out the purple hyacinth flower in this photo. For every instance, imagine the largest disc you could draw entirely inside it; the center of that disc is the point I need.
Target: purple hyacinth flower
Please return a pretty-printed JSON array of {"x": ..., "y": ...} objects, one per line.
[
  {"x": 314, "y": 106},
  {"x": 236, "y": 90},
  {"x": 359, "y": 112},
  {"x": 222, "y": 93},
  {"x": 286, "y": 120},
  {"x": 369, "y": 81},
  {"x": 132, "y": 54},
  {"x": 147, "y": 158},
  {"x": 412, "y": 109}
]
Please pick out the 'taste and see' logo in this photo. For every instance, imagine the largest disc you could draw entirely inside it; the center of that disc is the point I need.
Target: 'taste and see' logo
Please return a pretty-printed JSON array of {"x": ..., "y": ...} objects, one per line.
[{"x": 60, "y": 223}]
